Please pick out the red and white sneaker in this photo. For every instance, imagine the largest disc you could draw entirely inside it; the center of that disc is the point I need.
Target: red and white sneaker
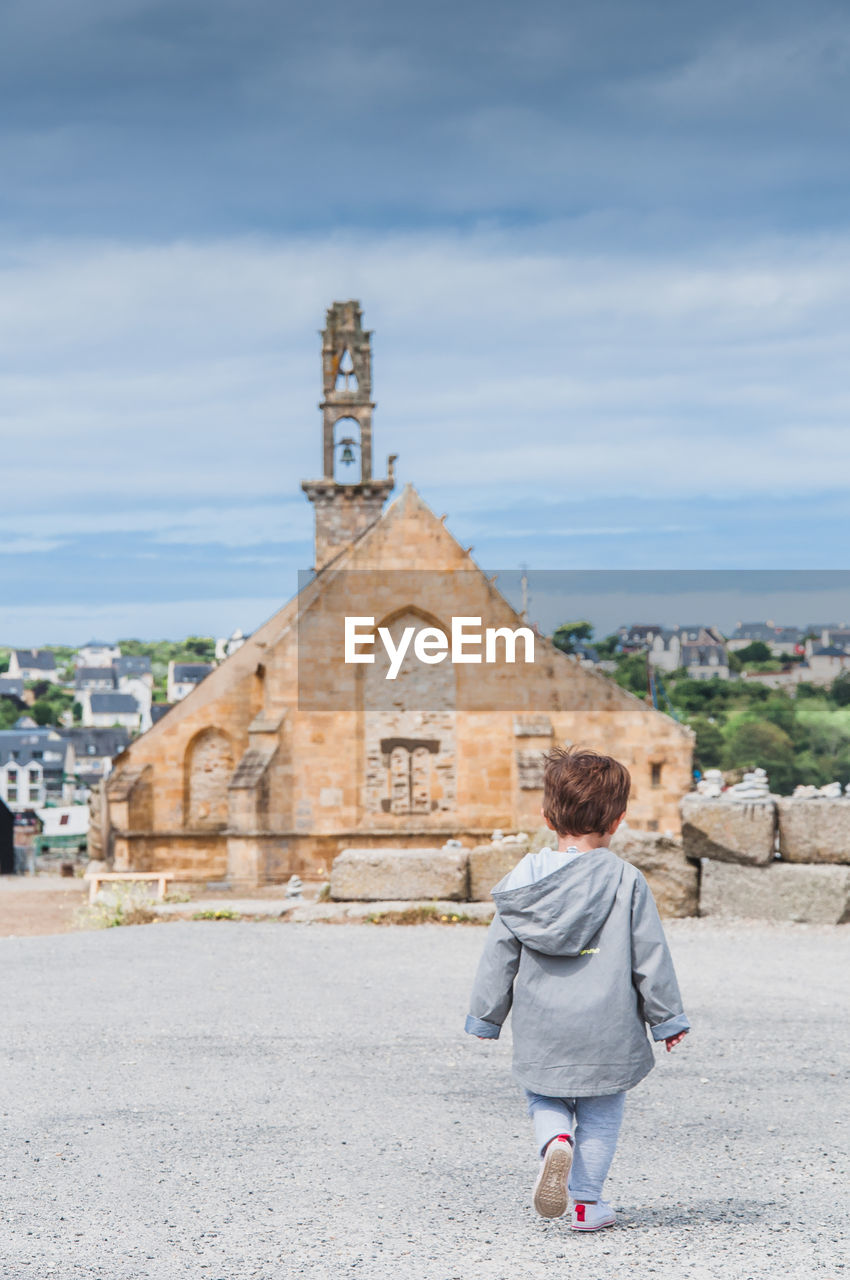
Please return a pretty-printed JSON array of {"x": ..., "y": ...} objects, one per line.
[
  {"x": 550, "y": 1189},
  {"x": 590, "y": 1217}
]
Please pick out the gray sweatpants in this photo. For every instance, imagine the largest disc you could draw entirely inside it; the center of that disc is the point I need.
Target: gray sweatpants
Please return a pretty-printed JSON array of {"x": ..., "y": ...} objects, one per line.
[{"x": 594, "y": 1126}]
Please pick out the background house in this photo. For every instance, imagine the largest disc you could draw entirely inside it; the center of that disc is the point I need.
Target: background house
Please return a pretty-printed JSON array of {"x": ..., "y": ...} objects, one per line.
[
  {"x": 94, "y": 679},
  {"x": 98, "y": 653},
  {"x": 94, "y": 751},
  {"x": 33, "y": 664},
  {"x": 107, "y": 709},
  {"x": 133, "y": 668},
  {"x": 12, "y": 687},
  {"x": 780, "y": 640},
  {"x": 36, "y": 766},
  {"x": 182, "y": 678}
]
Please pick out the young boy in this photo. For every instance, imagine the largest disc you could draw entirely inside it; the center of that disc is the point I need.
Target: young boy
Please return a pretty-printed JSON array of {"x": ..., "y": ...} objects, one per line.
[{"x": 577, "y": 947}]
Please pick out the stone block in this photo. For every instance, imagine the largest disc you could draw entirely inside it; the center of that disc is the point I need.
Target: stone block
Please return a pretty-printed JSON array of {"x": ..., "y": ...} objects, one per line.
[
  {"x": 372, "y": 875},
  {"x": 728, "y": 830},
  {"x": 488, "y": 863},
  {"x": 673, "y": 880},
  {"x": 814, "y": 830},
  {"x": 781, "y": 891}
]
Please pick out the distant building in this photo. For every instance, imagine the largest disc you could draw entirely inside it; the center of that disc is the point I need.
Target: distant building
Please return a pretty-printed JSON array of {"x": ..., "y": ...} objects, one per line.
[
  {"x": 98, "y": 653},
  {"x": 107, "y": 709},
  {"x": 778, "y": 639},
  {"x": 36, "y": 766},
  {"x": 97, "y": 679},
  {"x": 94, "y": 751},
  {"x": 836, "y": 637},
  {"x": 823, "y": 665},
  {"x": 33, "y": 664},
  {"x": 182, "y": 678},
  {"x": 133, "y": 668},
  {"x": 158, "y": 710},
  {"x": 639, "y": 636},
  {"x": 11, "y": 687},
  {"x": 699, "y": 649}
]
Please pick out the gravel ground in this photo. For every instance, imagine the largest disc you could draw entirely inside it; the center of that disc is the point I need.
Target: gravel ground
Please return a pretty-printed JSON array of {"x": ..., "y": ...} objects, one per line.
[{"x": 266, "y": 1100}]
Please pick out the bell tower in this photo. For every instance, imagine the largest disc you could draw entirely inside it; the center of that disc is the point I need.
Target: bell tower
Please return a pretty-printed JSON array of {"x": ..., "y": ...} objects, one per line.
[{"x": 347, "y": 499}]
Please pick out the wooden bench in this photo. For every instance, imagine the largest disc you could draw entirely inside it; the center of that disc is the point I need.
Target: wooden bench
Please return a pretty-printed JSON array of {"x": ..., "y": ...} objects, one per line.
[{"x": 99, "y": 877}]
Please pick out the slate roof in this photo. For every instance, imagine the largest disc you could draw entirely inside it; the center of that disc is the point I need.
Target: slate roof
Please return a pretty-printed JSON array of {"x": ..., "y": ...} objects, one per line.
[
  {"x": 113, "y": 704},
  {"x": 84, "y": 677},
  {"x": 190, "y": 672},
  {"x": 158, "y": 710},
  {"x": 96, "y": 743},
  {"x": 761, "y": 631},
  {"x": 11, "y": 686},
  {"x": 24, "y": 745},
  {"x": 132, "y": 666},
  {"x": 36, "y": 659}
]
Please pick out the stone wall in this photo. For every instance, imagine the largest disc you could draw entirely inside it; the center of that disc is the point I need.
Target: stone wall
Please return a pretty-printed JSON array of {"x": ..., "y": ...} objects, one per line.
[
  {"x": 471, "y": 874},
  {"x": 770, "y": 859}
]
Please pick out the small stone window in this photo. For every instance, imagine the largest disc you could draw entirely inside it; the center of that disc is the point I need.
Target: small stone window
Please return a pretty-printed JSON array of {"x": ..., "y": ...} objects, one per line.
[{"x": 655, "y": 777}]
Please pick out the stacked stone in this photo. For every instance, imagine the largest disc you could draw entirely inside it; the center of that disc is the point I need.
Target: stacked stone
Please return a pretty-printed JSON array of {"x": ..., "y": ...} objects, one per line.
[
  {"x": 454, "y": 873},
  {"x": 769, "y": 857}
]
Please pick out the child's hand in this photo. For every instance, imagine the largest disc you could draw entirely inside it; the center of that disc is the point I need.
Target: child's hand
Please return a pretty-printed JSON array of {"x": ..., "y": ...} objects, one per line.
[{"x": 672, "y": 1041}]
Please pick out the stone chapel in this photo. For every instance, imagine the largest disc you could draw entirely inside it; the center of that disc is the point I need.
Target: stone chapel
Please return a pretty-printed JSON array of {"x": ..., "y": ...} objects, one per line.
[{"x": 283, "y": 755}]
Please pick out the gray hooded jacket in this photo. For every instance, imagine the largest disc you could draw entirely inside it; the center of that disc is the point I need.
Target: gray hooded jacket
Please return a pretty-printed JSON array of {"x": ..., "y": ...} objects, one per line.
[{"x": 582, "y": 957}]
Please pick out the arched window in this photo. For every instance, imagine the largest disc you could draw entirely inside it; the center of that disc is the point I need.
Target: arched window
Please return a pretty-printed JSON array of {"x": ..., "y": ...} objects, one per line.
[
  {"x": 347, "y": 451},
  {"x": 208, "y": 769}
]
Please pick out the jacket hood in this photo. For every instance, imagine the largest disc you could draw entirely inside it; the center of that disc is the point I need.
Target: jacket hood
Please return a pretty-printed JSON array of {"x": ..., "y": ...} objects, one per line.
[{"x": 559, "y": 914}]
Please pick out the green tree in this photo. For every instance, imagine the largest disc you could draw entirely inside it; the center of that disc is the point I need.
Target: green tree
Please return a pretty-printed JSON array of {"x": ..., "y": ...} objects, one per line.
[
  {"x": 201, "y": 648},
  {"x": 779, "y": 709},
  {"x": 703, "y": 697},
  {"x": 840, "y": 690},
  {"x": 805, "y": 689},
  {"x": 761, "y": 744},
  {"x": 758, "y": 651},
  {"x": 568, "y": 635},
  {"x": 607, "y": 648},
  {"x": 708, "y": 748},
  {"x": 631, "y": 673},
  {"x": 42, "y": 712},
  {"x": 8, "y": 713}
]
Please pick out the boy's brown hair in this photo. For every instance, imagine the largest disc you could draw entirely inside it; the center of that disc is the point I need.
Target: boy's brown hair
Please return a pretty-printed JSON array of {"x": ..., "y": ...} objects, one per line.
[{"x": 583, "y": 791}]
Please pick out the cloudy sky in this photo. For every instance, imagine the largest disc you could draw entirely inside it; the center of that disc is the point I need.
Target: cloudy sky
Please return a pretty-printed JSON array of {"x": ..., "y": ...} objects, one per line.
[{"x": 604, "y": 248}]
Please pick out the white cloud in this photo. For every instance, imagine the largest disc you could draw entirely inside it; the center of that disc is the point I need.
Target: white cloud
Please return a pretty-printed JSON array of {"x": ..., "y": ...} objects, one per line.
[
  {"x": 30, "y": 625},
  {"x": 184, "y": 378}
]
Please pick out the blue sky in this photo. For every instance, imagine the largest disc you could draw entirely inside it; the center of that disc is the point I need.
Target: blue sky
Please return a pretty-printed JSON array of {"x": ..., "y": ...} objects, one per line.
[{"x": 603, "y": 246}]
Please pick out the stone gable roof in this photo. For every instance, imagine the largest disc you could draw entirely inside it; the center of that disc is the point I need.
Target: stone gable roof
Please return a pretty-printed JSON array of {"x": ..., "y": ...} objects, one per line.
[{"x": 408, "y": 535}]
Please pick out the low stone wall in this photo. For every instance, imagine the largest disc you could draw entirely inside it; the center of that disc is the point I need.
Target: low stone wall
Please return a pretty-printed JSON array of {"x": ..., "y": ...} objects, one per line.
[
  {"x": 770, "y": 859},
  {"x": 781, "y": 858},
  {"x": 814, "y": 830},
  {"x": 674, "y": 880},
  {"x": 371, "y": 875},
  {"x": 405, "y": 875},
  {"x": 490, "y": 863},
  {"x": 810, "y": 894}
]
